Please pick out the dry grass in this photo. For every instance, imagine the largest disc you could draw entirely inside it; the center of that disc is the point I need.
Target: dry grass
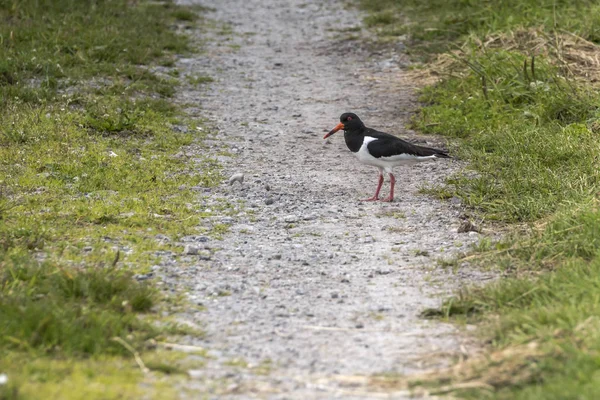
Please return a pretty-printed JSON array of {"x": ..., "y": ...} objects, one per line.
[
  {"x": 510, "y": 366},
  {"x": 576, "y": 57}
]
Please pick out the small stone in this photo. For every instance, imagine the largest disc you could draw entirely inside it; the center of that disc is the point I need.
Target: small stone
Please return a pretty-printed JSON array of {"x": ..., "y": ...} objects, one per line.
[
  {"x": 468, "y": 226},
  {"x": 269, "y": 201},
  {"x": 267, "y": 187},
  {"x": 276, "y": 257},
  {"x": 196, "y": 373},
  {"x": 191, "y": 249},
  {"x": 238, "y": 177},
  {"x": 180, "y": 128},
  {"x": 290, "y": 218},
  {"x": 162, "y": 238},
  {"x": 194, "y": 238},
  {"x": 334, "y": 295},
  {"x": 383, "y": 271},
  {"x": 345, "y": 280},
  {"x": 143, "y": 277},
  {"x": 359, "y": 325}
]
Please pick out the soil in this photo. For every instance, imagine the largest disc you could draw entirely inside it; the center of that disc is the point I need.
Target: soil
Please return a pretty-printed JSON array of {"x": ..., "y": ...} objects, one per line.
[{"x": 312, "y": 291}]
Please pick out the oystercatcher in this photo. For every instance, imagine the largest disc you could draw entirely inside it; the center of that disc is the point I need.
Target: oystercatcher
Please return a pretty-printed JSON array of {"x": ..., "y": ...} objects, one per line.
[{"x": 381, "y": 150}]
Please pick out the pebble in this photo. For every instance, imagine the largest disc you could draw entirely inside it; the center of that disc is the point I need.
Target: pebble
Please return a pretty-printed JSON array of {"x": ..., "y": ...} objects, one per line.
[
  {"x": 269, "y": 201},
  {"x": 196, "y": 373},
  {"x": 143, "y": 277},
  {"x": 162, "y": 238},
  {"x": 193, "y": 238},
  {"x": 290, "y": 218},
  {"x": 180, "y": 128},
  {"x": 191, "y": 249},
  {"x": 468, "y": 226},
  {"x": 237, "y": 177}
]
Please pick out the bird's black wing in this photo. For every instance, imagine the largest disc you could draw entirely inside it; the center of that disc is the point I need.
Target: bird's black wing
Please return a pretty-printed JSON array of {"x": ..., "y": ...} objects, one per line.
[{"x": 388, "y": 145}]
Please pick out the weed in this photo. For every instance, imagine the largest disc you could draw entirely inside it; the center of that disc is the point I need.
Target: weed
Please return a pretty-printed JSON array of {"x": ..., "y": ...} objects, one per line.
[{"x": 199, "y": 80}]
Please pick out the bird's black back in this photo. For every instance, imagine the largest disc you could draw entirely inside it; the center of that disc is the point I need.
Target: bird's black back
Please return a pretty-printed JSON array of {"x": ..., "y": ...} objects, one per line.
[{"x": 387, "y": 145}]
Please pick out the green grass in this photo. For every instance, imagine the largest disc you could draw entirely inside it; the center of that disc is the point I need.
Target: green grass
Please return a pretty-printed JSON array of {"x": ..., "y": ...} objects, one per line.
[
  {"x": 48, "y": 45},
  {"x": 101, "y": 377},
  {"x": 47, "y": 309},
  {"x": 437, "y": 25},
  {"x": 528, "y": 139},
  {"x": 90, "y": 172},
  {"x": 529, "y": 128}
]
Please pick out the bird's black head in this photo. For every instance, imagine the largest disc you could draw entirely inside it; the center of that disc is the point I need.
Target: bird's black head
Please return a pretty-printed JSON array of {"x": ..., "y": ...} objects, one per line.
[{"x": 348, "y": 122}]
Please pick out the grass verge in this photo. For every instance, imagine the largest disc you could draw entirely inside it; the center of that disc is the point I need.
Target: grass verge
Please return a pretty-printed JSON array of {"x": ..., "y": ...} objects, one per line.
[
  {"x": 93, "y": 188},
  {"x": 515, "y": 91}
]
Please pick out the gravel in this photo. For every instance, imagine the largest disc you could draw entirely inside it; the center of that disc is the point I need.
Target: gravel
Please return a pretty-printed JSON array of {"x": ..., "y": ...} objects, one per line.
[{"x": 295, "y": 287}]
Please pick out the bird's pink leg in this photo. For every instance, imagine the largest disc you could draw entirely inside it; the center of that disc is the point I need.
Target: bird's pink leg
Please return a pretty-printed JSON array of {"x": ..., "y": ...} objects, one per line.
[
  {"x": 390, "y": 198},
  {"x": 376, "y": 196}
]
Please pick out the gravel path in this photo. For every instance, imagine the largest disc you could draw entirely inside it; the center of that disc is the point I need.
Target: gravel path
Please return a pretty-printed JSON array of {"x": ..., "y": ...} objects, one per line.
[{"x": 312, "y": 288}]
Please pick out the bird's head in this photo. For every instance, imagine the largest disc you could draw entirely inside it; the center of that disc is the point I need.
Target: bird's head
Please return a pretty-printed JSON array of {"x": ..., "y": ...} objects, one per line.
[{"x": 348, "y": 122}]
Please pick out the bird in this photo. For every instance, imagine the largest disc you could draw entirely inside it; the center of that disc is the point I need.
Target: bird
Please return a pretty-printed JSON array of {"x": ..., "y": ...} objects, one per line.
[{"x": 381, "y": 150}]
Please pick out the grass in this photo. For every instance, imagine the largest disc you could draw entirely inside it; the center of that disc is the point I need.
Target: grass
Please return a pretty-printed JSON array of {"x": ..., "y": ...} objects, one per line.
[
  {"x": 528, "y": 139},
  {"x": 438, "y": 25},
  {"x": 101, "y": 377},
  {"x": 51, "y": 310},
  {"x": 513, "y": 92},
  {"x": 91, "y": 170}
]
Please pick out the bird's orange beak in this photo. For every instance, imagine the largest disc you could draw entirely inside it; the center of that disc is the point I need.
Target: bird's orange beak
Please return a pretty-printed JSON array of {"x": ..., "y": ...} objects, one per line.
[{"x": 334, "y": 130}]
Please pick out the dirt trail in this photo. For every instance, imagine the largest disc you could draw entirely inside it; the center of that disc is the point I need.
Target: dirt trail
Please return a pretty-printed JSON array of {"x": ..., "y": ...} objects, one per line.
[{"x": 312, "y": 285}]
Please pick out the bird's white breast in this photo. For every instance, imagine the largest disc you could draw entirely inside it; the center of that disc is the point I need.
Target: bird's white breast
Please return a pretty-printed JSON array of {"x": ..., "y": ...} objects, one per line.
[{"x": 386, "y": 163}]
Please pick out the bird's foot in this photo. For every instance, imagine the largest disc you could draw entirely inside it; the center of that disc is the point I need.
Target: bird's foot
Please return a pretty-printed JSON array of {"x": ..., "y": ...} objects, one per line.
[
  {"x": 388, "y": 199},
  {"x": 374, "y": 198}
]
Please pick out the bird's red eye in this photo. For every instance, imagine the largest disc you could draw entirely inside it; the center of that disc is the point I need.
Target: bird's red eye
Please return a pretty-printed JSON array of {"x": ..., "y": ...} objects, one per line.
[{"x": 349, "y": 118}]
